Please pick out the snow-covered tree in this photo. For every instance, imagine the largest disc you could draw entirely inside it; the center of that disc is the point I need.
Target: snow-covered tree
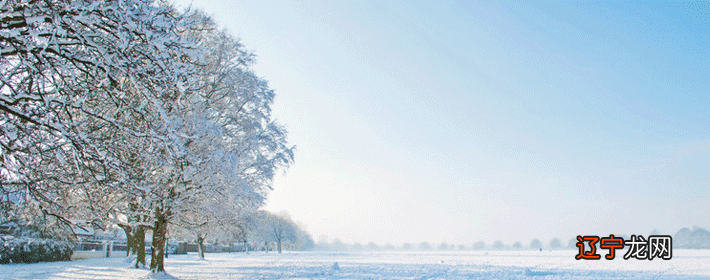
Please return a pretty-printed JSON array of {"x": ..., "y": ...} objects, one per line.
[
  {"x": 128, "y": 112},
  {"x": 536, "y": 244},
  {"x": 83, "y": 84},
  {"x": 279, "y": 230},
  {"x": 73, "y": 74},
  {"x": 234, "y": 148}
]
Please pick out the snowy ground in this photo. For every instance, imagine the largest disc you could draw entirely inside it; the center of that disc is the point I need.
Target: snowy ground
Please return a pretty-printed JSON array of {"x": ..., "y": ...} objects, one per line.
[{"x": 686, "y": 264}]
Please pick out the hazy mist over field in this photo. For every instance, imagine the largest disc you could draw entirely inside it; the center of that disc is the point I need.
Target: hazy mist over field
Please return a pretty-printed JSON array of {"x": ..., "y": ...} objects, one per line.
[{"x": 458, "y": 122}]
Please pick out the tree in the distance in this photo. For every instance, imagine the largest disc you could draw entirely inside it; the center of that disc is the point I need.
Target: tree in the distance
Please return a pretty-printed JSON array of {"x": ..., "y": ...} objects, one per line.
[
  {"x": 536, "y": 244},
  {"x": 281, "y": 231},
  {"x": 498, "y": 245}
]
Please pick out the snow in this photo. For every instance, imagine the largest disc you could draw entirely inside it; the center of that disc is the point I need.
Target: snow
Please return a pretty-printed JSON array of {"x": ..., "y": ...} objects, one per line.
[{"x": 686, "y": 264}]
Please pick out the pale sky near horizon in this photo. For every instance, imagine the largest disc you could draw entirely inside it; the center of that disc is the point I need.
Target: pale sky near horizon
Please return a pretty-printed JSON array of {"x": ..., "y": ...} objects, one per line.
[{"x": 445, "y": 121}]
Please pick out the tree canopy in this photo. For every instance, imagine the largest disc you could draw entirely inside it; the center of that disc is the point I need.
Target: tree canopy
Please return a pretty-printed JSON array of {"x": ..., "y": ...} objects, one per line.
[{"x": 130, "y": 112}]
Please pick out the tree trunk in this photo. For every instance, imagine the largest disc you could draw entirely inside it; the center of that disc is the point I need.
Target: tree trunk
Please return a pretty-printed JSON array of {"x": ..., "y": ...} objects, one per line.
[
  {"x": 279, "y": 245},
  {"x": 157, "y": 261},
  {"x": 166, "y": 247},
  {"x": 201, "y": 246},
  {"x": 129, "y": 239},
  {"x": 139, "y": 246},
  {"x": 246, "y": 247}
]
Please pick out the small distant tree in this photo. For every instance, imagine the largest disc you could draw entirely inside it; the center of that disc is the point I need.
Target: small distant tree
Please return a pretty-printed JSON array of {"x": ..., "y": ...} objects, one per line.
[
  {"x": 498, "y": 245},
  {"x": 555, "y": 244},
  {"x": 424, "y": 246},
  {"x": 407, "y": 247},
  {"x": 278, "y": 229},
  {"x": 304, "y": 241},
  {"x": 572, "y": 243},
  {"x": 480, "y": 245},
  {"x": 322, "y": 244},
  {"x": 535, "y": 244},
  {"x": 338, "y": 245},
  {"x": 283, "y": 230},
  {"x": 443, "y": 246},
  {"x": 517, "y": 245}
]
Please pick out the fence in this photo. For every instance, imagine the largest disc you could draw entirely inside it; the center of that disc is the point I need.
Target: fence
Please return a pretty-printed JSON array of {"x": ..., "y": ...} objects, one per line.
[{"x": 89, "y": 249}]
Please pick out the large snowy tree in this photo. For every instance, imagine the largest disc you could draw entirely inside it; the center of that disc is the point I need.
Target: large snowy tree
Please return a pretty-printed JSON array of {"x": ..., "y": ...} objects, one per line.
[
  {"x": 75, "y": 74},
  {"x": 128, "y": 112},
  {"x": 236, "y": 147}
]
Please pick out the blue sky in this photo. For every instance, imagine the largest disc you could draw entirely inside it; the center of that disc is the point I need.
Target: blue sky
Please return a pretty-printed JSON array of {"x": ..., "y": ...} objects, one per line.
[{"x": 464, "y": 121}]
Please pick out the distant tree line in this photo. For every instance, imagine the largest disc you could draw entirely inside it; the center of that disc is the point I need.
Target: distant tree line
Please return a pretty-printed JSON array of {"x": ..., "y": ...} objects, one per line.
[
  {"x": 685, "y": 238},
  {"x": 696, "y": 238},
  {"x": 337, "y": 245},
  {"x": 262, "y": 230}
]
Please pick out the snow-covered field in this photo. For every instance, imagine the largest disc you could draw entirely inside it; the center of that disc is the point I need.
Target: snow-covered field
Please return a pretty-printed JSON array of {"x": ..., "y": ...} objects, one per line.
[{"x": 686, "y": 264}]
